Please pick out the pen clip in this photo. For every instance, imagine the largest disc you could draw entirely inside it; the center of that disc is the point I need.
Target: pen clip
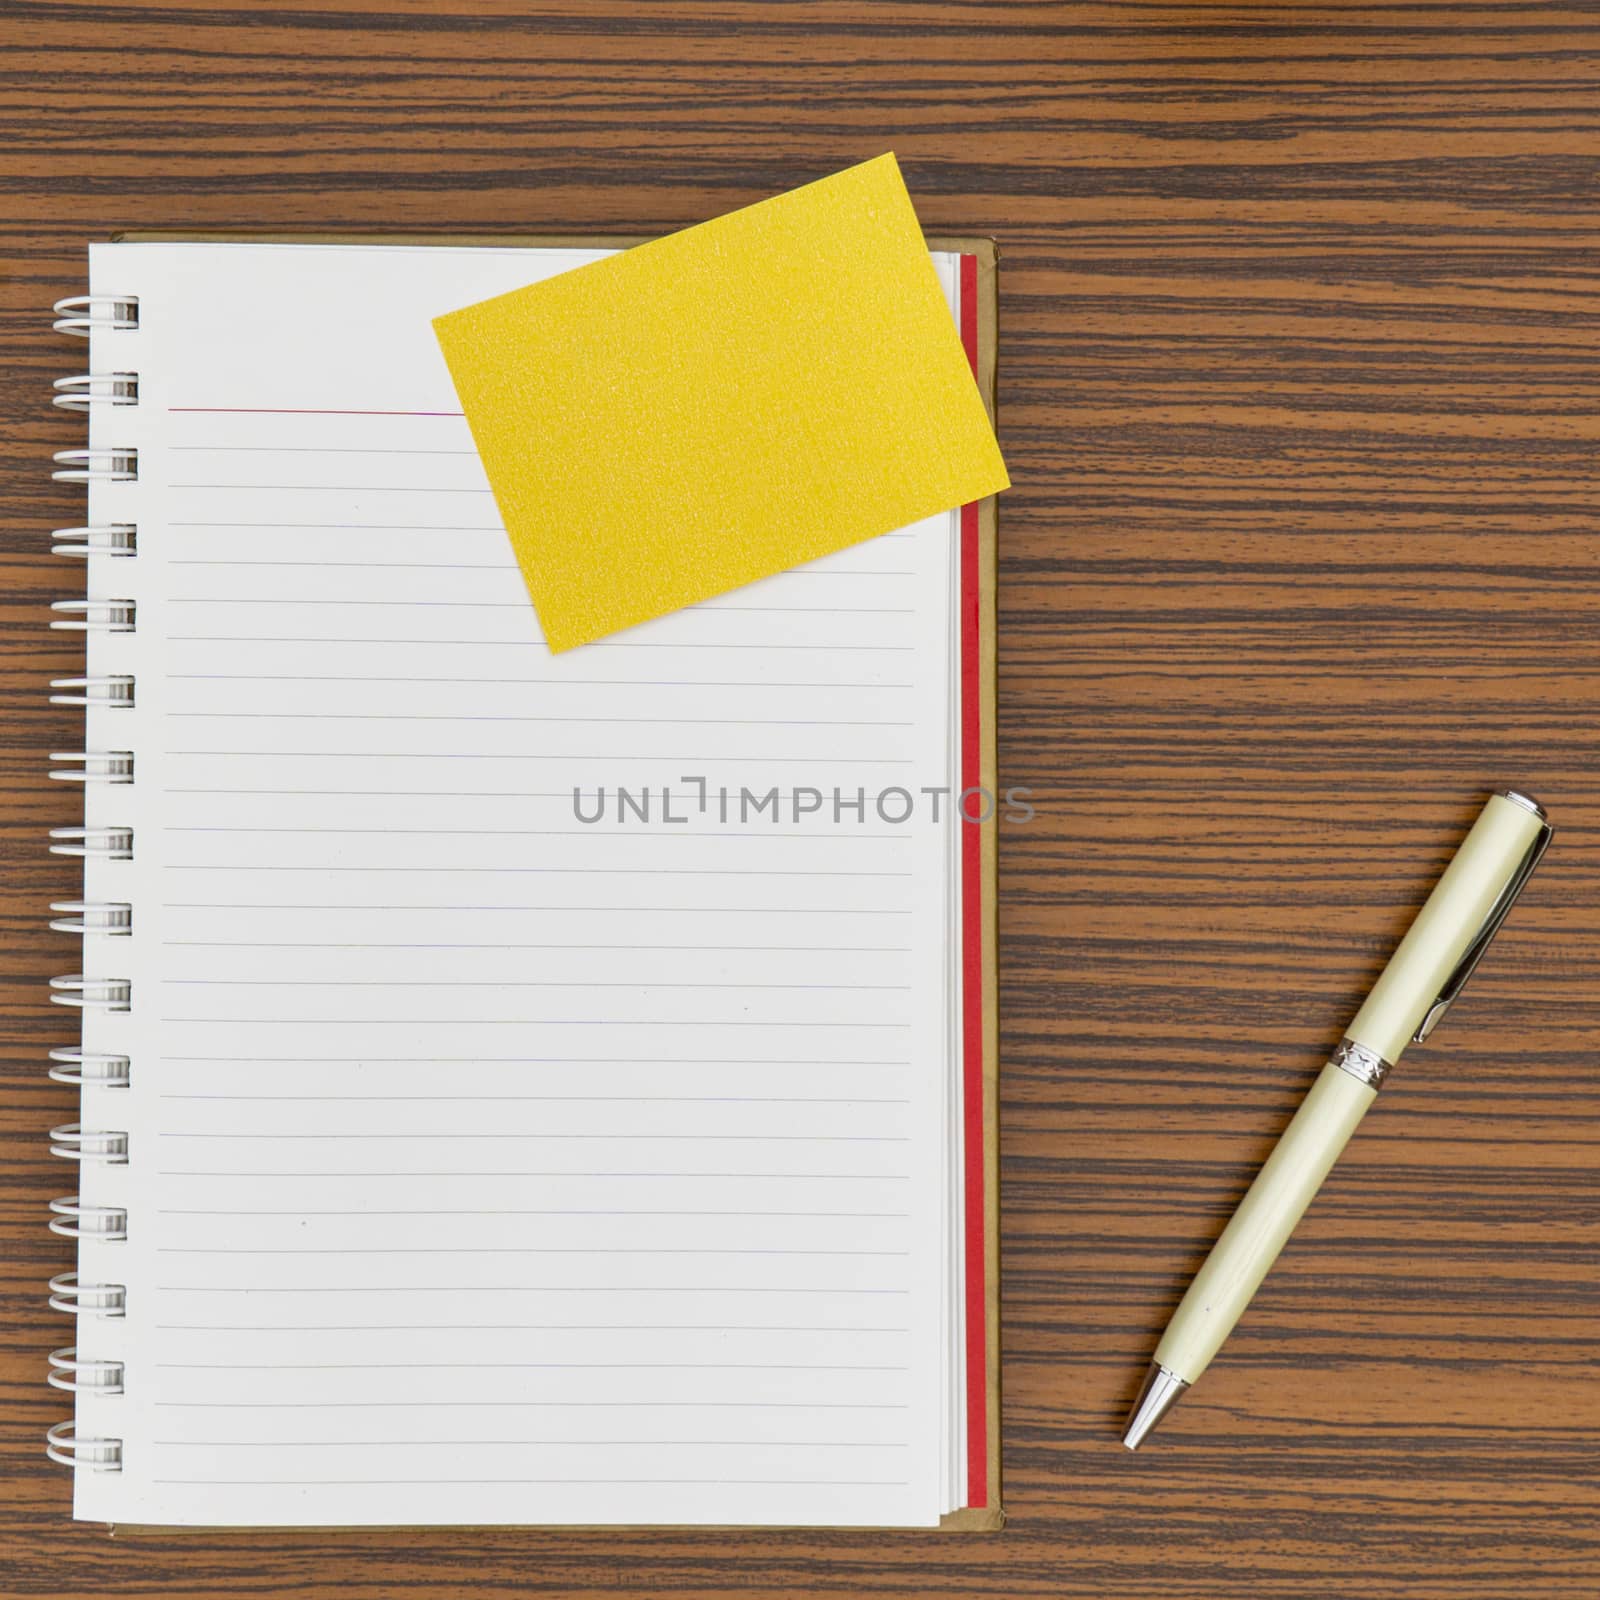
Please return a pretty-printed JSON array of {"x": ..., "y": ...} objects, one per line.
[{"x": 1473, "y": 954}]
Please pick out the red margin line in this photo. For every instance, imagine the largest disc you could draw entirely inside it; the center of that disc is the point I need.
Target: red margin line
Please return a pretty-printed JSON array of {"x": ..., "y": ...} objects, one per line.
[
  {"x": 307, "y": 411},
  {"x": 972, "y": 958}
]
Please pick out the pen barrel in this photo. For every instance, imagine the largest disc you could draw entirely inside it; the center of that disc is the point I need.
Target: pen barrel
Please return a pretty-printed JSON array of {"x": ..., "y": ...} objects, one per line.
[
  {"x": 1452, "y": 917},
  {"x": 1266, "y": 1217}
]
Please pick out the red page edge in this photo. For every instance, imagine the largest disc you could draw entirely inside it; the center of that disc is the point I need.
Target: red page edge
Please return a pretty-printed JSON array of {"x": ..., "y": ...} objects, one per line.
[{"x": 972, "y": 956}]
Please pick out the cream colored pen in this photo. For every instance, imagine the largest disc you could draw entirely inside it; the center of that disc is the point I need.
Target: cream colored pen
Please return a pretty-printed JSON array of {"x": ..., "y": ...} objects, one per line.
[{"x": 1424, "y": 975}]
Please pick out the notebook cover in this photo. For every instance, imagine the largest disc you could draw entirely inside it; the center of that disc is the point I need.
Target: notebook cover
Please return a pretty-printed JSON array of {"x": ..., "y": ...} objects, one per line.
[{"x": 981, "y": 1046}]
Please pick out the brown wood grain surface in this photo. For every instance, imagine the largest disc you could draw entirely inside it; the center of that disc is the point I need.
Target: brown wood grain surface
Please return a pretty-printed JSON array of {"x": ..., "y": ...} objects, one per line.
[{"x": 1299, "y": 385}]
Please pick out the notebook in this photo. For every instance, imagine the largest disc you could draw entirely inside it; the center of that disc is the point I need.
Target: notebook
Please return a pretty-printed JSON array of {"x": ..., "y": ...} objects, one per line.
[{"x": 515, "y": 1088}]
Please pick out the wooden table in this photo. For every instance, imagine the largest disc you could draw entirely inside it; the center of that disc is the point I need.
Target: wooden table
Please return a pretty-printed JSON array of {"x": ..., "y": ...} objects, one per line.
[{"x": 1300, "y": 378}]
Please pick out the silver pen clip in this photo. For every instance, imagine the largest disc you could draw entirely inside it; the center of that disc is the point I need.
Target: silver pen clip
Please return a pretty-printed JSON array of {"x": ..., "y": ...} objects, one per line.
[{"x": 1473, "y": 954}]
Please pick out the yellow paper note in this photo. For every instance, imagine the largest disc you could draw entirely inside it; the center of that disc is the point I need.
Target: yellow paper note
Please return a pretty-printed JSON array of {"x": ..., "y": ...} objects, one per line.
[{"x": 722, "y": 404}]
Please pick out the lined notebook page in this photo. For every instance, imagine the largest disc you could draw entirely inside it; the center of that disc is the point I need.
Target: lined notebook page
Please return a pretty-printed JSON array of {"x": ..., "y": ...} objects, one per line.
[{"x": 490, "y": 1165}]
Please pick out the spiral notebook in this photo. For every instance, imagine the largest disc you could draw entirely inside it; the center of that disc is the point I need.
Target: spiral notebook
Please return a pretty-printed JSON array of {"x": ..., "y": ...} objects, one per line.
[{"x": 515, "y": 1088}]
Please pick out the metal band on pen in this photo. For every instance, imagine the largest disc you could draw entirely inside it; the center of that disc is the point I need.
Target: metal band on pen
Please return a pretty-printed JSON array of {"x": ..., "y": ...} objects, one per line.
[{"x": 1364, "y": 1065}]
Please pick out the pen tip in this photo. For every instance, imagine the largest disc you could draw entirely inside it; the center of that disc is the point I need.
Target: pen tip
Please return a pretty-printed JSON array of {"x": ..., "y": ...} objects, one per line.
[{"x": 1161, "y": 1390}]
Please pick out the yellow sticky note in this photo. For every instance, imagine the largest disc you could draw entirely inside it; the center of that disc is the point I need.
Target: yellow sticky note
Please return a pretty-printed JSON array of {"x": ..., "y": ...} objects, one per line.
[{"x": 721, "y": 404}]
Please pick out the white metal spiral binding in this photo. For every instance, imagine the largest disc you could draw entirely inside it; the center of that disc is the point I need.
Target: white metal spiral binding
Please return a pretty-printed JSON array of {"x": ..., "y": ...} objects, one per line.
[
  {"x": 102, "y": 1147},
  {"x": 113, "y": 917},
  {"x": 110, "y": 539},
  {"x": 94, "y": 1072},
  {"x": 96, "y": 389},
  {"x": 64, "y": 1446},
  {"x": 93, "y": 616},
  {"x": 96, "y": 766},
  {"x": 91, "y": 994},
  {"x": 73, "y": 1220},
  {"x": 77, "y": 1299},
  {"x": 69, "y": 1064},
  {"x": 83, "y": 1375},
  {"x": 113, "y": 689},
  {"x": 103, "y": 844},
  {"x": 96, "y": 466},
  {"x": 83, "y": 314}
]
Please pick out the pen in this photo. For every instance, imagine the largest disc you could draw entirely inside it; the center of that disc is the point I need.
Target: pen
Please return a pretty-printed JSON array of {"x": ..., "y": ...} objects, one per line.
[{"x": 1424, "y": 975}]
